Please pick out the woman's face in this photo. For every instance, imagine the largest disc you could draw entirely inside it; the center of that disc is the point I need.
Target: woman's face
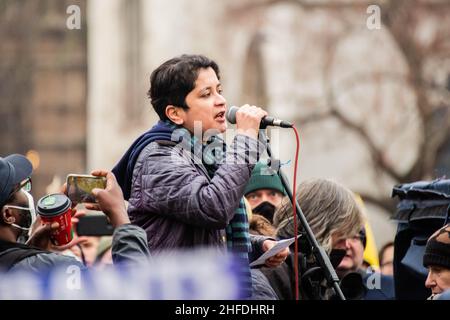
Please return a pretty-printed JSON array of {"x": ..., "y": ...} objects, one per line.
[
  {"x": 354, "y": 253},
  {"x": 207, "y": 106}
]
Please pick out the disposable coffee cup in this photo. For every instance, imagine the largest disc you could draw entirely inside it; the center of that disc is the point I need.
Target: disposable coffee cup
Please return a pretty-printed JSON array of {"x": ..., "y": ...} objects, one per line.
[{"x": 57, "y": 208}]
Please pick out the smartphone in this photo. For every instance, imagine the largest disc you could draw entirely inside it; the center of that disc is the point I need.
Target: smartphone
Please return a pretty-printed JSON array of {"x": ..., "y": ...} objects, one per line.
[
  {"x": 94, "y": 225},
  {"x": 79, "y": 187}
]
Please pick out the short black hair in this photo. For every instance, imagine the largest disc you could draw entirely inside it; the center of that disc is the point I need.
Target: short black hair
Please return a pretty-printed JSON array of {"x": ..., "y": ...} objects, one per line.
[{"x": 172, "y": 81}]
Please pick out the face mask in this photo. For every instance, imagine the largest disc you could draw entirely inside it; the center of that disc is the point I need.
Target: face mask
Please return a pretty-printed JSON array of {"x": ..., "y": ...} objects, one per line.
[
  {"x": 336, "y": 256},
  {"x": 32, "y": 209},
  {"x": 27, "y": 218},
  {"x": 24, "y": 224},
  {"x": 266, "y": 209}
]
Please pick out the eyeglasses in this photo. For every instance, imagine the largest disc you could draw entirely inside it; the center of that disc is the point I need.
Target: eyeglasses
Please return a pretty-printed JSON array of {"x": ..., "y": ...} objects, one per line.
[
  {"x": 354, "y": 239},
  {"x": 357, "y": 238},
  {"x": 25, "y": 185}
]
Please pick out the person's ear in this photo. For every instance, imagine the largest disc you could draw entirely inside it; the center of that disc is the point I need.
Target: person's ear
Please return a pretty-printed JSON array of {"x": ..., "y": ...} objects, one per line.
[
  {"x": 7, "y": 216},
  {"x": 175, "y": 114}
]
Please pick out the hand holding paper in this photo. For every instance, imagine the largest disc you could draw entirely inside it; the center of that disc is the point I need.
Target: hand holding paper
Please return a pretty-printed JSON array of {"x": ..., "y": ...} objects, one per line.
[{"x": 273, "y": 251}]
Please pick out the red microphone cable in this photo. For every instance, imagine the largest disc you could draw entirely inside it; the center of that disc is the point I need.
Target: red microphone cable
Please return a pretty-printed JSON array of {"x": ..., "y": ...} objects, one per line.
[{"x": 294, "y": 206}]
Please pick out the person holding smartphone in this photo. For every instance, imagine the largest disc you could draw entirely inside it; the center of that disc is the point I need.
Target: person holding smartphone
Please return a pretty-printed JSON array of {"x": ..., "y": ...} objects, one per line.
[{"x": 129, "y": 241}]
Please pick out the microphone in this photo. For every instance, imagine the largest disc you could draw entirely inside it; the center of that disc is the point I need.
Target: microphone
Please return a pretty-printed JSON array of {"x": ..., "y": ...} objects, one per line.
[{"x": 266, "y": 121}]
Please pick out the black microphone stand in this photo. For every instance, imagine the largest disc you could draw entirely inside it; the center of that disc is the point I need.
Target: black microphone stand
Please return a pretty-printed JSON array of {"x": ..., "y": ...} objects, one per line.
[{"x": 318, "y": 251}]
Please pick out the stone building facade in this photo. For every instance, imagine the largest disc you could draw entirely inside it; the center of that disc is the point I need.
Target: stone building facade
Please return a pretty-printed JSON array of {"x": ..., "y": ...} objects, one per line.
[{"x": 43, "y": 88}]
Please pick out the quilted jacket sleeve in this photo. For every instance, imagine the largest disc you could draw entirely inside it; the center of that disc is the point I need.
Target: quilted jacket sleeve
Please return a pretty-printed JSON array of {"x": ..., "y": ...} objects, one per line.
[{"x": 167, "y": 182}]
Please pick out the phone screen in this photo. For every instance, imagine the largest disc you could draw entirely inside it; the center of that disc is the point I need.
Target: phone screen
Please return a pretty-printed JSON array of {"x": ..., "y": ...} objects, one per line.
[{"x": 79, "y": 187}]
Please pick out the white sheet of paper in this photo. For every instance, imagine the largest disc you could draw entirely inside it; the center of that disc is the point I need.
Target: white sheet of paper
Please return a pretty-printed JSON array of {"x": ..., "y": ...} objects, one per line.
[{"x": 279, "y": 246}]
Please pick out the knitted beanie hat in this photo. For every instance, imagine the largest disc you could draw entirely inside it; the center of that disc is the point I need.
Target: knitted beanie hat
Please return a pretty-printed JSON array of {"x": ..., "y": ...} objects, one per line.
[
  {"x": 437, "y": 251},
  {"x": 263, "y": 177}
]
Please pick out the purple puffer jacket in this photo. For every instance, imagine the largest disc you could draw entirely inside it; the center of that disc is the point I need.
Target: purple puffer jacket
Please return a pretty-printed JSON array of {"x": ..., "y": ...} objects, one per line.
[{"x": 177, "y": 203}]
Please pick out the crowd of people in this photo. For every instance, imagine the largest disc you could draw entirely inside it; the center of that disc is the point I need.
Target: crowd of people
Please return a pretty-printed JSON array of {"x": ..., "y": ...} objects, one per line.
[{"x": 175, "y": 190}]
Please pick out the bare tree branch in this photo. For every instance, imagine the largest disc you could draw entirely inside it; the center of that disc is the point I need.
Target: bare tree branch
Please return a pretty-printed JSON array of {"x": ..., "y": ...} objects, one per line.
[
  {"x": 402, "y": 19},
  {"x": 376, "y": 154},
  {"x": 313, "y": 118},
  {"x": 398, "y": 15}
]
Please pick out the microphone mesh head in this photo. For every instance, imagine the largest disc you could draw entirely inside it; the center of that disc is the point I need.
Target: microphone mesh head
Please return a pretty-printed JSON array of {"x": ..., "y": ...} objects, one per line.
[{"x": 231, "y": 114}]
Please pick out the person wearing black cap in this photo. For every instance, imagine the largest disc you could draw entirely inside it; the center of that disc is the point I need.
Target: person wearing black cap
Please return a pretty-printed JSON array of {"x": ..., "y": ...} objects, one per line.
[
  {"x": 15, "y": 173},
  {"x": 437, "y": 260},
  {"x": 129, "y": 241}
]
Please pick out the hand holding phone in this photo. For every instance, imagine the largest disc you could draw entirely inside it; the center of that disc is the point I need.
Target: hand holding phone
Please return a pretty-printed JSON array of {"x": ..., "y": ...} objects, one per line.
[
  {"x": 79, "y": 187},
  {"x": 110, "y": 200}
]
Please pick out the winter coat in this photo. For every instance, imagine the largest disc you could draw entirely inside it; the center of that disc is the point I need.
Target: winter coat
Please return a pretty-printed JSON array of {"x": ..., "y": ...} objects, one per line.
[
  {"x": 178, "y": 204},
  {"x": 129, "y": 245}
]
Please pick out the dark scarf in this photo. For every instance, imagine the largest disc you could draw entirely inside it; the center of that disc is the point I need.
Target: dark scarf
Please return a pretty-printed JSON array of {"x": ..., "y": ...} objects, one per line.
[
  {"x": 238, "y": 239},
  {"x": 124, "y": 168}
]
